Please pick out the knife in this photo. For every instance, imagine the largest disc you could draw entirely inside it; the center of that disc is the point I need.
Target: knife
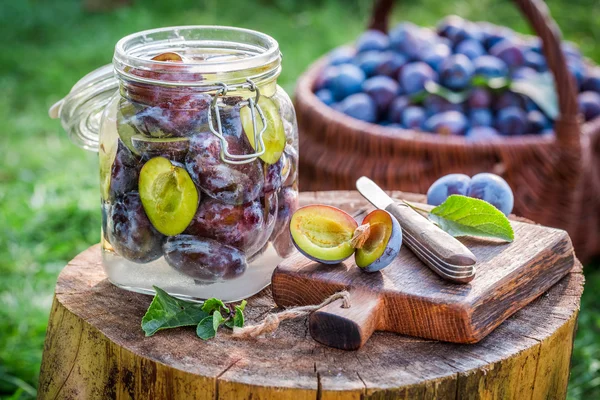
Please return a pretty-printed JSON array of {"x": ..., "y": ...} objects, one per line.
[{"x": 442, "y": 253}]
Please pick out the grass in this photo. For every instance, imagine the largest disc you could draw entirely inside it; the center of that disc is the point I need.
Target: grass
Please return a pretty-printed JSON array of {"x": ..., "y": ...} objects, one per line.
[{"x": 49, "y": 188}]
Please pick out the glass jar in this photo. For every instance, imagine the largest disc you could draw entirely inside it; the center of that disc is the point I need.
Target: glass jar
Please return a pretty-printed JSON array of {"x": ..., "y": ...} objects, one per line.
[{"x": 198, "y": 151}]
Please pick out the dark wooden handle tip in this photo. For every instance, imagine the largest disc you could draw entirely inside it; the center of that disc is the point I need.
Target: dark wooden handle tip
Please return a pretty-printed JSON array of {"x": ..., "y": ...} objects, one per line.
[{"x": 336, "y": 331}]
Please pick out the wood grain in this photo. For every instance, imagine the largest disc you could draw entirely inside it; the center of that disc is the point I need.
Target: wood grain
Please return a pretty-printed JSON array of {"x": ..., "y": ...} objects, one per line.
[
  {"x": 419, "y": 303},
  {"x": 95, "y": 349}
]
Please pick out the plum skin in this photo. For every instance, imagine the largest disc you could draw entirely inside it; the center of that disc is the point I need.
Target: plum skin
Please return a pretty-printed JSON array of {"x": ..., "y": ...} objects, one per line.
[
  {"x": 204, "y": 259},
  {"x": 130, "y": 232},
  {"x": 335, "y": 226},
  {"x": 447, "y": 185},
  {"x": 390, "y": 248},
  {"x": 494, "y": 190}
]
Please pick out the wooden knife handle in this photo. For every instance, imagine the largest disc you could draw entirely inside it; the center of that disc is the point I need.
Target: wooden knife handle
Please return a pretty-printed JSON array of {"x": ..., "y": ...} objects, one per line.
[
  {"x": 347, "y": 328},
  {"x": 440, "y": 243}
]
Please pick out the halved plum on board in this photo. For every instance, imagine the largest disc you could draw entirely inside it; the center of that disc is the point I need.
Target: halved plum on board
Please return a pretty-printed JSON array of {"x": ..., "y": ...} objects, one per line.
[
  {"x": 204, "y": 259},
  {"x": 323, "y": 233},
  {"x": 382, "y": 242},
  {"x": 168, "y": 194},
  {"x": 274, "y": 135}
]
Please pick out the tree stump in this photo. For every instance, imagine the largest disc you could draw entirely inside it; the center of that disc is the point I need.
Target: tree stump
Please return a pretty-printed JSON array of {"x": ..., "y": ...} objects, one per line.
[{"x": 95, "y": 349}]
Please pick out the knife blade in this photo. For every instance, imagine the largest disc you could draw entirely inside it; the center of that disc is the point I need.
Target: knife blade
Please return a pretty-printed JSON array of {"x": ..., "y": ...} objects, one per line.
[{"x": 433, "y": 241}]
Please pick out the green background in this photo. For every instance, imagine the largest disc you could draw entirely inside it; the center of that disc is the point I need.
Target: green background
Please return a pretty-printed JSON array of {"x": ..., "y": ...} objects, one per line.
[{"x": 49, "y": 193}]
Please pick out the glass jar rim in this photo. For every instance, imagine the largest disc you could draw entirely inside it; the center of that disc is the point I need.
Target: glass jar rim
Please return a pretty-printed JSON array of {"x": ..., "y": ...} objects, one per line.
[{"x": 136, "y": 50}]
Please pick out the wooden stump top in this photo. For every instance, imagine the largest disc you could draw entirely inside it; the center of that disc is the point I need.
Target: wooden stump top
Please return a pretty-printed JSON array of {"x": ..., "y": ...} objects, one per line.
[{"x": 95, "y": 348}]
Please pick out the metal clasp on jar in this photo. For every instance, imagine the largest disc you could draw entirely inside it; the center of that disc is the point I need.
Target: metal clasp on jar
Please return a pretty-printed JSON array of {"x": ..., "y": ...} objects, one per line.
[{"x": 254, "y": 107}]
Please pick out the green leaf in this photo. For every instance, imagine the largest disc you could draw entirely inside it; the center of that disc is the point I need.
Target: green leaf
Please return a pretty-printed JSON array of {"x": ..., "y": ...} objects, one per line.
[
  {"x": 466, "y": 216},
  {"x": 166, "y": 311},
  {"x": 539, "y": 88},
  {"x": 205, "y": 329},
  {"x": 238, "y": 317},
  {"x": 217, "y": 320},
  {"x": 491, "y": 83},
  {"x": 213, "y": 304},
  {"x": 453, "y": 97}
]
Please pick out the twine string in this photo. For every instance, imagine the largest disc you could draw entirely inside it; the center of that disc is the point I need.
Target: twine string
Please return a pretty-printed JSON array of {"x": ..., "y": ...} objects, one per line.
[{"x": 271, "y": 322}]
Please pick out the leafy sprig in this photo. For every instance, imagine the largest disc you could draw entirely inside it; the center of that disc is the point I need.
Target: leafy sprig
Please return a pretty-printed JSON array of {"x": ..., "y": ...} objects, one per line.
[{"x": 166, "y": 311}]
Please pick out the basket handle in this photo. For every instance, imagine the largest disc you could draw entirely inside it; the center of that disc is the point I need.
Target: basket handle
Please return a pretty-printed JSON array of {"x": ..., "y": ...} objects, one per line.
[{"x": 567, "y": 125}]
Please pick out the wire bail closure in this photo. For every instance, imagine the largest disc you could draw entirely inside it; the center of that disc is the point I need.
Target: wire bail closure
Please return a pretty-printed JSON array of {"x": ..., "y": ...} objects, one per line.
[{"x": 252, "y": 104}]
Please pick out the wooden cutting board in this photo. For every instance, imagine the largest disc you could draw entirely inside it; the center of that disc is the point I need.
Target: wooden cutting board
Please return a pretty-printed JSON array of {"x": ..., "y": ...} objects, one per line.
[{"x": 408, "y": 298}]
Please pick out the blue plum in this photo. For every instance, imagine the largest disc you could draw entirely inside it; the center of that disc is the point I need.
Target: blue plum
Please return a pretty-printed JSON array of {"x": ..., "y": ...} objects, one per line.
[
  {"x": 326, "y": 77},
  {"x": 435, "y": 55},
  {"x": 456, "y": 72},
  {"x": 325, "y": 96},
  {"x": 490, "y": 67},
  {"x": 390, "y": 64},
  {"x": 589, "y": 104},
  {"x": 471, "y": 48},
  {"x": 454, "y": 28},
  {"x": 446, "y": 186},
  {"x": 511, "y": 121},
  {"x": 348, "y": 81},
  {"x": 479, "y": 98},
  {"x": 382, "y": 90},
  {"x": 508, "y": 99},
  {"x": 372, "y": 40},
  {"x": 360, "y": 106},
  {"x": 523, "y": 74},
  {"x": 494, "y": 190},
  {"x": 413, "y": 117},
  {"x": 536, "y": 61},
  {"x": 592, "y": 80},
  {"x": 396, "y": 108},
  {"x": 510, "y": 52},
  {"x": 404, "y": 38},
  {"x": 435, "y": 104},
  {"x": 370, "y": 61},
  {"x": 447, "y": 123},
  {"x": 413, "y": 77},
  {"x": 495, "y": 34},
  {"x": 481, "y": 134},
  {"x": 382, "y": 244},
  {"x": 341, "y": 55},
  {"x": 481, "y": 117},
  {"x": 537, "y": 122}
]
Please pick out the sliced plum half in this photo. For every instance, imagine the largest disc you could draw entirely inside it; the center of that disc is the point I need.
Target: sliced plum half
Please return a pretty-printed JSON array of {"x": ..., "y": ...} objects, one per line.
[
  {"x": 274, "y": 135},
  {"x": 381, "y": 243},
  {"x": 323, "y": 233},
  {"x": 168, "y": 194}
]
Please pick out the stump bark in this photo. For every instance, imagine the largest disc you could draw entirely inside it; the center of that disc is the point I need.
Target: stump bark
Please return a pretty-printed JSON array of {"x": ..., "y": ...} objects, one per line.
[{"x": 95, "y": 349}]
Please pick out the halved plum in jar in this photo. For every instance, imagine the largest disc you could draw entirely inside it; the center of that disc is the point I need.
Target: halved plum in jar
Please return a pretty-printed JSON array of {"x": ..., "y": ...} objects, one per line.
[
  {"x": 130, "y": 232},
  {"x": 323, "y": 233},
  {"x": 274, "y": 135},
  {"x": 234, "y": 225},
  {"x": 204, "y": 259},
  {"x": 382, "y": 242},
  {"x": 168, "y": 194}
]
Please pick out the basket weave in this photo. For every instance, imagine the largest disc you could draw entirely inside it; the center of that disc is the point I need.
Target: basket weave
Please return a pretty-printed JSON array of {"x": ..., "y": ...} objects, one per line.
[{"x": 555, "y": 178}]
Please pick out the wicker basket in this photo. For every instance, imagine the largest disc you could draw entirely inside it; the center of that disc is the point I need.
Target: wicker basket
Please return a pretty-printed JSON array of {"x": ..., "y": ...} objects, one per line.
[{"x": 556, "y": 179}]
